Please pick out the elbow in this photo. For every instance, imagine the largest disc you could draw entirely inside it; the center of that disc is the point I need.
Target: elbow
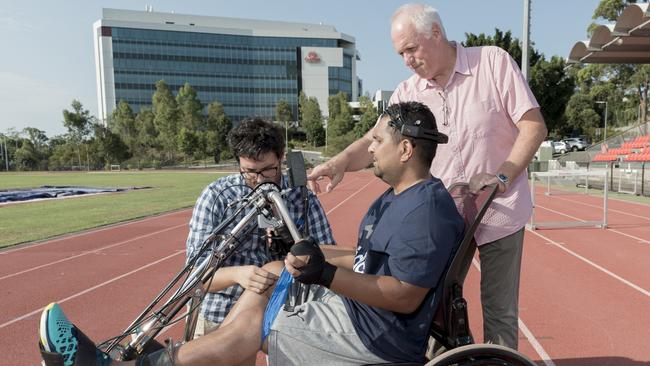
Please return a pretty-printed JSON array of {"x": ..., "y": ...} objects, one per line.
[{"x": 407, "y": 306}]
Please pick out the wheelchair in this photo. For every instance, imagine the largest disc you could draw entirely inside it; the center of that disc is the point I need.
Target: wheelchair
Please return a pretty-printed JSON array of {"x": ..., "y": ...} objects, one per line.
[{"x": 452, "y": 339}]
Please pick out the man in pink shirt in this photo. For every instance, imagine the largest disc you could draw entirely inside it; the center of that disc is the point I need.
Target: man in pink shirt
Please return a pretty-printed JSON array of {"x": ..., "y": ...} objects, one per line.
[{"x": 482, "y": 102}]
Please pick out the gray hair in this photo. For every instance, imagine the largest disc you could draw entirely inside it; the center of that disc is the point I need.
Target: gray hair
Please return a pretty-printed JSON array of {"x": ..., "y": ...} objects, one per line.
[{"x": 422, "y": 16}]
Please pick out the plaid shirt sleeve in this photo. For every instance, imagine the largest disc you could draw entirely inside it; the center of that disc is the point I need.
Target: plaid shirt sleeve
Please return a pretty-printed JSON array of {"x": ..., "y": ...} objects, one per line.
[{"x": 207, "y": 210}]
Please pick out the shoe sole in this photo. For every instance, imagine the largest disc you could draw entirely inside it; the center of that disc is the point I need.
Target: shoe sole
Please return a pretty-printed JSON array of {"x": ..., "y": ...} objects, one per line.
[{"x": 45, "y": 341}]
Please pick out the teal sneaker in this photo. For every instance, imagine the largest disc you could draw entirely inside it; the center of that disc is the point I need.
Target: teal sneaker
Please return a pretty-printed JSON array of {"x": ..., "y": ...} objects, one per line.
[{"x": 62, "y": 344}]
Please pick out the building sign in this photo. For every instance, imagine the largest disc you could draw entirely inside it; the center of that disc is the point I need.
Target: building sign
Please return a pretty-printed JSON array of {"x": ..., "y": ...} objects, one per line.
[{"x": 312, "y": 57}]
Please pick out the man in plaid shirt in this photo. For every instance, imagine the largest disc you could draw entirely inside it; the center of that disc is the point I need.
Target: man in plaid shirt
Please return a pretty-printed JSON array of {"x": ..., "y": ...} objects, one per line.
[{"x": 259, "y": 148}]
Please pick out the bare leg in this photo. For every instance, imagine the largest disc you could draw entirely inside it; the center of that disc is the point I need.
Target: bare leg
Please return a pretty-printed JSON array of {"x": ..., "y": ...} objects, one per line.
[{"x": 238, "y": 338}]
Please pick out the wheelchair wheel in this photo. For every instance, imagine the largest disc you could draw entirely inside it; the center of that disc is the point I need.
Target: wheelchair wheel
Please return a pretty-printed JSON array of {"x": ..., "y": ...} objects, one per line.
[{"x": 481, "y": 354}]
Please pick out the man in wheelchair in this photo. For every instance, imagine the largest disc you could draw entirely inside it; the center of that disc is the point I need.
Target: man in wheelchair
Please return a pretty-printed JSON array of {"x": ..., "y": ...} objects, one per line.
[{"x": 372, "y": 305}]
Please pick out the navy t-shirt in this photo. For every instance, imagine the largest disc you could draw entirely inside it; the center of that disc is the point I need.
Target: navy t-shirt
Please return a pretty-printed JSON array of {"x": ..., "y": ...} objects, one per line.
[{"x": 409, "y": 236}]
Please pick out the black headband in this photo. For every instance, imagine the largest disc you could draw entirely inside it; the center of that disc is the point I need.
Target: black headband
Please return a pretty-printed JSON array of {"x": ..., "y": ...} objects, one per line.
[{"x": 414, "y": 131}]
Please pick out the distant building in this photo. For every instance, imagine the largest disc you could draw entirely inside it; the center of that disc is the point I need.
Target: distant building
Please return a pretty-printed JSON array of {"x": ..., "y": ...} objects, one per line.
[
  {"x": 247, "y": 65},
  {"x": 379, "y": 100}
]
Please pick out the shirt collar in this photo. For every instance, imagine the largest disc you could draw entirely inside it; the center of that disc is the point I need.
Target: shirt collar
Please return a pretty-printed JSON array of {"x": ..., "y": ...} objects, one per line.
[{"x": 461, "y": 67}]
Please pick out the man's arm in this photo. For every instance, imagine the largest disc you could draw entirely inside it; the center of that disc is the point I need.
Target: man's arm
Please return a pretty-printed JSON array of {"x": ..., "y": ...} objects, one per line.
[
  {"x": 338, "y": 256},
  {"x": 249, "y": 277},
  {"x": 532, "y": 131},
  {"x": 384, "y": 292},
  {"x": 354, "y": 157}
]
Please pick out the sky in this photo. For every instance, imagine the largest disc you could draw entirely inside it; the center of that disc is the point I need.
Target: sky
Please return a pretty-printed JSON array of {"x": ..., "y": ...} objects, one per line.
[{"x": 47, "y": 60}]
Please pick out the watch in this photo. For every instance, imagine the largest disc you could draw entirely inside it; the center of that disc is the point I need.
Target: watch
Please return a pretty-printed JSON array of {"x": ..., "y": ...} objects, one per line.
[{"x": 503, "y": 178}]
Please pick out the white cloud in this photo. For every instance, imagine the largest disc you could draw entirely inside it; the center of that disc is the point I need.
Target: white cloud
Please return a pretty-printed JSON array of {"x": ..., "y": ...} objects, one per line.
[{"x": 27, "y": 102}]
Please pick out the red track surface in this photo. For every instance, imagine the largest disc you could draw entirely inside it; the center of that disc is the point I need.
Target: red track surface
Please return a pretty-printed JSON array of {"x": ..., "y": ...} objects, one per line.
[{"x": 585, "y": 292}]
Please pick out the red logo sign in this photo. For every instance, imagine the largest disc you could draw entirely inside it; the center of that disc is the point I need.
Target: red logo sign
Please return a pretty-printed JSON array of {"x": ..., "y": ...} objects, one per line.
[{"x": 312, "y": 57}]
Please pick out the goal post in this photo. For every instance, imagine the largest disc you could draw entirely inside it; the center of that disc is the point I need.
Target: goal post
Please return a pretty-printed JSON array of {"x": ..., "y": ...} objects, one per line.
[{"x": 569, "y": 182}]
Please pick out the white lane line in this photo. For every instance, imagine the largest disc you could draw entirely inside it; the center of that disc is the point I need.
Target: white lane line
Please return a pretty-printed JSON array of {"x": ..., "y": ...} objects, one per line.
[
  {"x": 349, "y": 197},
  {"x": 37, "y": 311},
  {"x": 541, "y": 352},
  {"x": 641, "y": 240},
  {"x": 89, "y": 232},
  {"x": 91, "y": 252},
  {"x": 340, "y": 185},
  {"x": 600, "y": 268},
  {"x": 536, "y": 345}
]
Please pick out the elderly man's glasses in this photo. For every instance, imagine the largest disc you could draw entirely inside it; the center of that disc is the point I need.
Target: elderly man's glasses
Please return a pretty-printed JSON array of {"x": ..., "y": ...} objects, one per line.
[
  {"x": 266, "y": 173},
  {"x": 445, "y": 108}
]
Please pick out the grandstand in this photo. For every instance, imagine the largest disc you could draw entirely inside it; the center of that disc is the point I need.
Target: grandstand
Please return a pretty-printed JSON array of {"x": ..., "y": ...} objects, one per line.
[{"x": 635, "y": 150}]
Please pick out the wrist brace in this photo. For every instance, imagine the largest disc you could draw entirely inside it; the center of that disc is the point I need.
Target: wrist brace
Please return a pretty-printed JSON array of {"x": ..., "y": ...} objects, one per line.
[{"x": 317, "y": 270}]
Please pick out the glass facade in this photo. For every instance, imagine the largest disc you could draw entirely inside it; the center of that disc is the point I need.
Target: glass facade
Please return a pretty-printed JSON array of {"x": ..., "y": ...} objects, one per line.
[{"x": 249, "y": 75}]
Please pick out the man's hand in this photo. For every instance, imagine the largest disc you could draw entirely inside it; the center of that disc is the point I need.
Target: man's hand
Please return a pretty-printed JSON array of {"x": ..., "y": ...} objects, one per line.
[
  {"x": 254, "y": 278},
  {"x": 484, "y": 179},
  {"x": 307, "y": 264},
  {"x": 334, "y": 169}
]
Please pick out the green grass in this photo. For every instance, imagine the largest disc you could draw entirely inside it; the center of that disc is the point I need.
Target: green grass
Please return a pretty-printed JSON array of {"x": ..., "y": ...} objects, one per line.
[{"x": 25, "y": 222}]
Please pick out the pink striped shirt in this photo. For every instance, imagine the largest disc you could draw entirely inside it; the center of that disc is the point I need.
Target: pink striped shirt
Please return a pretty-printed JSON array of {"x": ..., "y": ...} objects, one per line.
[{"x": 479, "y": 109}]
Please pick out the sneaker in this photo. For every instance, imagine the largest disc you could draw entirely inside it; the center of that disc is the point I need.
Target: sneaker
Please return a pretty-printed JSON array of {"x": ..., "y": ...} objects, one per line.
[{"x": 65, "y": 345}]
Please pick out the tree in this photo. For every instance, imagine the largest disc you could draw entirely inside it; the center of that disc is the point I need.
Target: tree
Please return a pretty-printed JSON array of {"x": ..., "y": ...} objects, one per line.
[
  {"x": 123, "y": 124},
  {"x": 27, "y": 157},
  {"x": 78, "y": 122},
  {"x": 190, "y": 108},
  {"x": 218, "y": 126},
  {"x": 107, "y": 146},
  {"x": 147, "y": 134},
  {"x": 165, "y": 112},
  {"x": 581, "y": 115},
  {"x": 283, "y": 111},
  {"x": 34, "y": 150},
  {"x": 503, "y": 40},
  {"x": 368, "y": 119},
  {"x": 188, "y": 142},
  {"x": 340, "y": 121},
  {"x": 312, "y": 121},
  {"x": 553, "y": 89}
]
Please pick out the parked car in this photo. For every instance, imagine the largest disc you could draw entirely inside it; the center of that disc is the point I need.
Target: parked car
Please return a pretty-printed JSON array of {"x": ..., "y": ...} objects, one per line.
[
  {"x": 559, "y": 147},
  {"x": 576, "y": 143}
]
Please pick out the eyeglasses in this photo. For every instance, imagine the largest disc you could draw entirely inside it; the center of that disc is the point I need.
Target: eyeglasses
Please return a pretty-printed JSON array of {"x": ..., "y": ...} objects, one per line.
[
  {"x": 266, "y": 173},
  {"x": 445, "y": 108}
]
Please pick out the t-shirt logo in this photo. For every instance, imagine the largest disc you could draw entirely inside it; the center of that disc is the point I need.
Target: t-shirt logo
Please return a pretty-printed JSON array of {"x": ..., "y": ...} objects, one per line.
[
  {"x": 368, "y": 229},
  {"x": 359, "y": 260}
]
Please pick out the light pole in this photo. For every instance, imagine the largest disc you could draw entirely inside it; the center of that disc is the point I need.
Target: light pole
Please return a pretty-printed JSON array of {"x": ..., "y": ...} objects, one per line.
[
  {"x": 605, "y": 133},
  {"x": 286, "y": 137}
]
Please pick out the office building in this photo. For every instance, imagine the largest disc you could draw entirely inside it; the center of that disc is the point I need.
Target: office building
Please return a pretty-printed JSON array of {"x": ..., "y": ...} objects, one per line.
[{"x": 247, "y": 65}]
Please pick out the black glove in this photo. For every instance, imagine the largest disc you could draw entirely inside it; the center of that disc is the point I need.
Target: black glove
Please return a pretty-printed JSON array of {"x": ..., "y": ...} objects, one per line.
[
  {"x": 281, "y": 241},
  {"x": 317, "y": 270}
]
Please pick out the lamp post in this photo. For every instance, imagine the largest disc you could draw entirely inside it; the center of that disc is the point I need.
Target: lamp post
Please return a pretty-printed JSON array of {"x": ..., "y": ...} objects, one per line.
[
  {"x": 605, "y": 134},
  {"x": 286, "y": 137}
]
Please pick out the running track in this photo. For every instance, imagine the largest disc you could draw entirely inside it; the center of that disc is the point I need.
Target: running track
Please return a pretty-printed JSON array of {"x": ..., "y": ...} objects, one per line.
[{"x": 585, "y": 293}]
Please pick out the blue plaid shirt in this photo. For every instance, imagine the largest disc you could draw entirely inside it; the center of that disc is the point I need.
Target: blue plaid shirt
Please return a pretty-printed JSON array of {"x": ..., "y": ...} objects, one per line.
[{"x": 212, "y": 207}]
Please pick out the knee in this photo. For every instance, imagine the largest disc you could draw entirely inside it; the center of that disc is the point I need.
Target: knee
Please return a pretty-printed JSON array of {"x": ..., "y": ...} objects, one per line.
[{"x": 274, "y": 267}]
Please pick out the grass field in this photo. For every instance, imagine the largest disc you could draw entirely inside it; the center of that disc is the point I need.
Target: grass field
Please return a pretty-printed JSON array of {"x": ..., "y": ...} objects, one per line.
[{"x": 29, "y": 221}]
